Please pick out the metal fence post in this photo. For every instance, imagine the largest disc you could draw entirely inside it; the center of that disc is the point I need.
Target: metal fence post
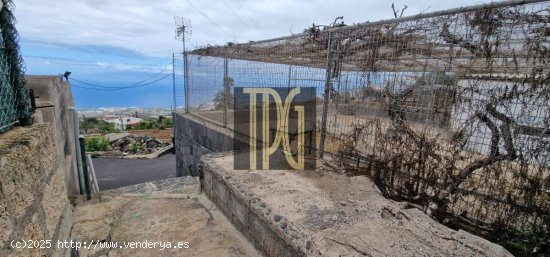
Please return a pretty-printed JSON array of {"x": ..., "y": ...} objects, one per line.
[
  {"x": 226, "y": 91},
  {"x": 326, "y": 97},
  {"x": 174, "y": 82},
  {"x": 175, "y": 107},
  {"x": 289, "y": 76},
  {"x": 79, "y": 164},
  {"x": 186, "y": 81},
  {"x": 337, "y": 97},
  {"x": 85, "y": 167}
]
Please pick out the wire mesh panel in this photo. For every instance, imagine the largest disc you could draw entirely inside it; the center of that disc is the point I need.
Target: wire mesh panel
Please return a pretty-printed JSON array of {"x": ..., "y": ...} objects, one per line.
[
  {"x": 206, "y": 80},
  {"x": 14, "y": 97},
  {"x": 244, "y": 73},
  {"x": 453, "y": 112},
  {"x": 8, "y": 113},
  {"x": 179, "y": 83},
  {"x": 449, "y": 110},
  {"x": 208, "y": 75}
]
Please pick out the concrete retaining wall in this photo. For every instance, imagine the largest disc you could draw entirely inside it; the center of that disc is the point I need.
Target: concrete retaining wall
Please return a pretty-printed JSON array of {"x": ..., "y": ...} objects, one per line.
[
  {"x": 33, "y": 198},
  {"x": 194, "y": 138},
  {"x": 245, "y": 212},
  {"x": 54, "y": 100}
]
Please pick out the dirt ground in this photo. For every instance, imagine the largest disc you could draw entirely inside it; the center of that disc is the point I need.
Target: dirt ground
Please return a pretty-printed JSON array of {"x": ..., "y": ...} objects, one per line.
[{"x": 162, "y": 134}]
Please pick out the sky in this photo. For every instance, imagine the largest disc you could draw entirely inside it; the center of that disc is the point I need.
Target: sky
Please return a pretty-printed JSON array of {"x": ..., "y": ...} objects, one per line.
[{"x": 114, "y": 43}]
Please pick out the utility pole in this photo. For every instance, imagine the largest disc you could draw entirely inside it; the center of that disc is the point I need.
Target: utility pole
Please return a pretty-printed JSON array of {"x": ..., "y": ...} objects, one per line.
[{"x": 183, "y": 27}]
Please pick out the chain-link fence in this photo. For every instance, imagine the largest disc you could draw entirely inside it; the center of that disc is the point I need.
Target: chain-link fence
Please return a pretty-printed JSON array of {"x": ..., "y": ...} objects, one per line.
[
  {"x": 15, "y": 107},
  {"x": 208, "y": 75},
  {"x": 179, "y": 91},
  {"x": 449, "y": 111}
]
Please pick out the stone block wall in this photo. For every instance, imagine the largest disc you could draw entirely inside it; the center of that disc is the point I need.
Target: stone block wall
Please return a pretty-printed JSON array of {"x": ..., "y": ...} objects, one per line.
[
  {"x": 243, "y": 209},
  {"x": 33, "y": 197}
]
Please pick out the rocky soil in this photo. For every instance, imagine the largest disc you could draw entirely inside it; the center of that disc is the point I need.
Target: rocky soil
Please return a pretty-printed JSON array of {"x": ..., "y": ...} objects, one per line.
[{"x": 134, "y": 144}]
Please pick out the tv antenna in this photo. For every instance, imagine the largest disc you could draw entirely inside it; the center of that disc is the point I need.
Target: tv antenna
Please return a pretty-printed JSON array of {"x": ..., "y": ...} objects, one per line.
[{"x": 183, "y": 27}]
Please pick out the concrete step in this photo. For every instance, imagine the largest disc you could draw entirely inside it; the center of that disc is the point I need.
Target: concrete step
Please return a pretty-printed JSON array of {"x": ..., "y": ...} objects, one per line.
[
  {"x": 156, "y": 224},
  {"x": 179, "y": 185}
]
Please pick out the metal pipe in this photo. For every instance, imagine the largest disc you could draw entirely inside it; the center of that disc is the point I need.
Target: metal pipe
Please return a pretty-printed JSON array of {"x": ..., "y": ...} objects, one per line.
[
  {"x": 175, "y": 103},
  {"x": 95, "y": 185},
  {"x": 85, "y": 168},
  {"x": 174, "y": 82},
  {"x": 458, "y": 10},
  {"x": 337, "y": 96},
  {"x": 326, "y": 97},
  {"x": 289, "y": 76},
  {"x": 9, "y": 125},
  {"x": 79, "y": 183},
  {"x": 186, "y": 81},
  {"x": 226, "y": 91}
]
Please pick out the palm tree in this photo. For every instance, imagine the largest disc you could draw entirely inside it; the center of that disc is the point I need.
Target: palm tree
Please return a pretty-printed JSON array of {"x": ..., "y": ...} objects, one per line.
[{"x": 224, "y": 96}]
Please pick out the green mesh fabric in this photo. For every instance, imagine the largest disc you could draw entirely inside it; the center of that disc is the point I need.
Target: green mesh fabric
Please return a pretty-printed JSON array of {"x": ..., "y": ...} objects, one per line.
[{"x": 15, "y": 107}]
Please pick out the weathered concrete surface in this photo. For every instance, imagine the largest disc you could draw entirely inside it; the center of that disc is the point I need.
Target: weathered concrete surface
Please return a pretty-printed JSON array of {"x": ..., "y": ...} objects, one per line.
[
  {"x": 55, "y": 98},
  {"x": 194, "y": 138},
  {"x": 173, "y": 212},
  {"x": 33, "y": 198},
  {"x": 180, "y": 185},
  {"x": 324, "y": 213}
]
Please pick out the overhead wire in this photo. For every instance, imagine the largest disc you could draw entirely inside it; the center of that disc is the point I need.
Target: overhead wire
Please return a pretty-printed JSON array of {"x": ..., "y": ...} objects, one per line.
[
  {"x": 235, "y": 13},
  {"x": 91, "y": 88},
  {"x": 248, "y": 14},
  {"x": 137, "y": 83},
  {"x": 105, "y": 88},
  {"x": 206, "y": 16},
  {"x": 111, "y": 88}
]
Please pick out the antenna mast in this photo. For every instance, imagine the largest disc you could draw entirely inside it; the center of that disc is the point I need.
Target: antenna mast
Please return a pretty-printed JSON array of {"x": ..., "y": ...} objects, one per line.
[{"x": 183, "y": 27}]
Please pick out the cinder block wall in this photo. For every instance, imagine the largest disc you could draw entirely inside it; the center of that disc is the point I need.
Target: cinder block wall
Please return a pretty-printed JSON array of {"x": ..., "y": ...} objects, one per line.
[
  {"x": 194, "y": 138},
  {"x": 244, "y": 210},
  {"x": 33, "y": 198}
]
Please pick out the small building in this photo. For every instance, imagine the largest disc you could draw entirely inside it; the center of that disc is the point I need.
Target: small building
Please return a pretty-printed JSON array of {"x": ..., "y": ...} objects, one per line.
[
  {"x": 526, "y": 112},
  {"x": 121, "y": 122}
]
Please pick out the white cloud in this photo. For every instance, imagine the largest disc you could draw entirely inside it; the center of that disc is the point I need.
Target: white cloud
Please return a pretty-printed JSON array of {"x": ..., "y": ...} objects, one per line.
[
  {"x": 133, "y": 67},
  {"x": 85, "y": 66},
  {"x": 147, "y": 27}
]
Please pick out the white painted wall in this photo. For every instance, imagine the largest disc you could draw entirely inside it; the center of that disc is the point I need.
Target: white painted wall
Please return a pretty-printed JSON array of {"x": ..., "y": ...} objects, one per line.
[{"x": 531, "y": 113}]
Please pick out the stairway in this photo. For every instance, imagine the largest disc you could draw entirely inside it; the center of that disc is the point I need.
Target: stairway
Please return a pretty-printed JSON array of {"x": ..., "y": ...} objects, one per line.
[{"x": 161, "y": 218}]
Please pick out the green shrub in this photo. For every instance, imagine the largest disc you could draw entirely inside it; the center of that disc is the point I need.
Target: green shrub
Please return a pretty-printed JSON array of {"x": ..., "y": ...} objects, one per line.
[
  {"x": 108, "y": 128},
  {"x": 93, "y": 125},
  {"x": 167, "y": 123},
  {"x": 96, "y": 144},
  {"x": 135, "y": 147},
  {"x": 144, "y": 125}
]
